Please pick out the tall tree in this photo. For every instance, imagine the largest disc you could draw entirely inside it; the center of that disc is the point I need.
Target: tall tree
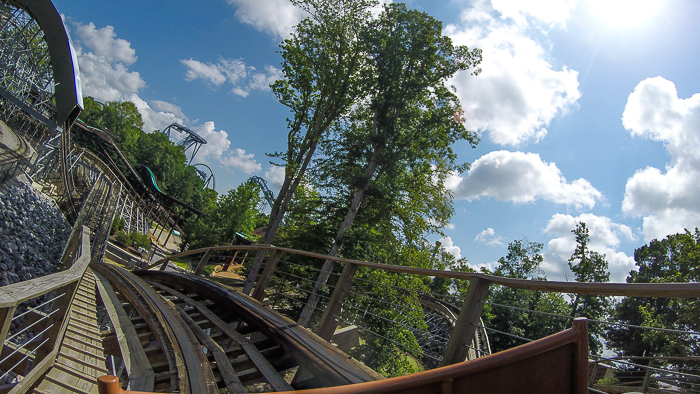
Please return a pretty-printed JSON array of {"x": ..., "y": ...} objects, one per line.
[
  {"x": 589, "y": 266},
  {"x": 406, "y": 125},
  {"x": 673, "y": 259},
  {"x": 321, "y": 63},
  {"x": 523, "y": 261}
]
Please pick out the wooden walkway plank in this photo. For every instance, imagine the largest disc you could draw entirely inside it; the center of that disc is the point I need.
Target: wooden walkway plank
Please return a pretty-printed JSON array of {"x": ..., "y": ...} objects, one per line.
[
  {"x": 138, "y": 368},
  {"x": 81, "y": 357},
  {"x": 266, "y": 369}
]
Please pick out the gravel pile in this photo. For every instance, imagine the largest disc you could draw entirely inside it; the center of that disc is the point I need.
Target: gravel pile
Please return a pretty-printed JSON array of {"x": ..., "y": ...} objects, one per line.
[{"x": 33, "y": 232}]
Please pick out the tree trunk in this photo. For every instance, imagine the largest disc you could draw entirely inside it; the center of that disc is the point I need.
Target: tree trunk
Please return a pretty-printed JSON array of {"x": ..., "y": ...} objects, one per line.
[{"x": 340, "y": 237}]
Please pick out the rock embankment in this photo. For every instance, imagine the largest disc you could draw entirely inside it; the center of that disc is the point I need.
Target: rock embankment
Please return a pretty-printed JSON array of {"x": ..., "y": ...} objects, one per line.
[{"x": 33, "y": 232}]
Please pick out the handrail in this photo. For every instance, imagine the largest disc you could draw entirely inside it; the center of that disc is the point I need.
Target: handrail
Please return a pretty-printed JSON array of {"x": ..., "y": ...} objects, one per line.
[
  {"x": 562, "y": 360},
  {"x": 606, "y": 289},
  {"x": 76, "y": 258}
]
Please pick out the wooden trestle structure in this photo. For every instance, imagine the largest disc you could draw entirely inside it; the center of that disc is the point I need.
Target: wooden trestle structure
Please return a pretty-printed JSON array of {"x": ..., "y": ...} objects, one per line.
[{"x": 182, "y": 333}]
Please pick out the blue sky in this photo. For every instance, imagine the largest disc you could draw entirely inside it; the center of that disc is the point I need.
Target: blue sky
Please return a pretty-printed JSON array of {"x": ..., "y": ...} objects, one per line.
[{"x": 587, "y": 109}]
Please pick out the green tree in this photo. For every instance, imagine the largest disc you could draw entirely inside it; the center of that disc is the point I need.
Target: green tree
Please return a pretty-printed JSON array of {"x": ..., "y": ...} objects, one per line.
[
  {"x": 321, "y": 63},
  {"x": 235, "y": 211},
  {"x": 589, "y": 266},
  {"x": 523, "y": 261},
  {"x": 402, "y": 132},
  {"x": 673, "y": 259}
]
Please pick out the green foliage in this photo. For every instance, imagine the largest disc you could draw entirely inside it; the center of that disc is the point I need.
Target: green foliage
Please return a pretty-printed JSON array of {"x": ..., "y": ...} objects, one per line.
[
  {"x": 589, "y": 266},
  {"x": 522, "y": 262},
  {"x": 232, "y": 212},
  {"x": 133, "y": 239},
  {"x": 608, "y": 381},
  {"x": 672, "y": 259},
  {"x": 118, "y": 224},
  {"x": 322, "y": 64}
]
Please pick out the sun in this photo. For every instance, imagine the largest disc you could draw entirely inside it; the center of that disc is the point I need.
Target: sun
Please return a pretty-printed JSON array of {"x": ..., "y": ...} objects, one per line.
[{"x": 625, "y": 13}]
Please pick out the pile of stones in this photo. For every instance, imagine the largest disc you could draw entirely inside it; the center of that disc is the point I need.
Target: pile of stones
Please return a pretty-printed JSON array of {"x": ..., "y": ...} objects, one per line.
[{"x": 33, "y": 232}]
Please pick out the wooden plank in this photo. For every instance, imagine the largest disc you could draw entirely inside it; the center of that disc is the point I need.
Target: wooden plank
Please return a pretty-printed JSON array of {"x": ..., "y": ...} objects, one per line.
[
  {"x": 138, "y": 368},
  {"x": 194, "y": 364},
  {"x": 463, "y": 331},
  {"x": 233, "y": 384},
  {"x": 6, "y": 315},
  {"x": 346, "y": 338},
  {"x": 259, "y": 293},
  {"x": 202, "y": 262},
  {"x": 329, "y": 322},
  {"x": 269, "y": 372}
]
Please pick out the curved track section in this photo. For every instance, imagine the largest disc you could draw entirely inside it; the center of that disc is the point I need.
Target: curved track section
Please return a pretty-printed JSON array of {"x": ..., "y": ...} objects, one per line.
[
  {"x": 282, "y": 342},
  {"x": 187, "y": 367},
  {"x": 441, "y": 318}
]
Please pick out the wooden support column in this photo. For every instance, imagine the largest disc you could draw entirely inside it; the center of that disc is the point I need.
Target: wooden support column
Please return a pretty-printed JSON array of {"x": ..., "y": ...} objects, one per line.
[
  {"x": 165, "y": 264},
  {"x": 581, "y": 355},
  {"x": 6, "y": 315},
  {"x": 467, "y": 321},
  {"x": 230, "y": 260},
  {"x": 202, "y": 262},
  {"x": 647, "y": 377},
  {"x": 328, "y": 322},
  {"x": 259, "y": 293}
]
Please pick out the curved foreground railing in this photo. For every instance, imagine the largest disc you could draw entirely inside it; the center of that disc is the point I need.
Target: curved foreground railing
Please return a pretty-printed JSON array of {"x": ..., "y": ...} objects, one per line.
[{"x": 34, "y": 316}]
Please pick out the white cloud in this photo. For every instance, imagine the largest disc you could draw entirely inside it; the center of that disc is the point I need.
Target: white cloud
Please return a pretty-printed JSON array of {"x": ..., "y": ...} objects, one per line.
[
  {"x": 104, "y": 43},
  {"x": 105, "y": 75},
  {"x": 105, "y": 81},
  {"x": 209, "y": 72},
  {"x": 551, "y": 12},
  {"x": 666, "y": 200},
  {"x": 519, "y": 92},
  {"x": 152, "y": 119},
  {"x": 520, "y": 178},
  {"x": 449, "y": 247},
  {"x": 489, "y": 237},
  {"x": 275, "y": 176},
  {"x": 243, "y": 79},
  {"x": 218, "y": 148},
  {"x": 164, "y": 106},
  {"x": 244, "y": 162},
  {"x": 217, "y": 142},
  {"x": 276, "y": 17},
  {"x": 605, "y": 238}
]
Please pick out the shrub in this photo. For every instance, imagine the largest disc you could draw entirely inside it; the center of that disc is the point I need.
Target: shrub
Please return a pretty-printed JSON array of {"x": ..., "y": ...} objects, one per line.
[
  {"x": 117, "y": 225},
  {"x": 134, "y": 239}
]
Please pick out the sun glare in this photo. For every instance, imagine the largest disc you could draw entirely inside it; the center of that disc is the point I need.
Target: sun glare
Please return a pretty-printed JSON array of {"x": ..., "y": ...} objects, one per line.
[{"x": 625, "y": 13}]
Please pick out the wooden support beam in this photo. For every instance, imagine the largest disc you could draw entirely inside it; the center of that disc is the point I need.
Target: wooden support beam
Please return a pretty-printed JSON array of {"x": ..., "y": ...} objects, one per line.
[
  {"x": 328, "y": 322},
  {"x": 165, "y": 264},
  {"x": 230, "y": 260},
  {"x": 463, "y": 332},
  {"x": 346, "y": 338},
  {"x": 6, "y": 315},
  {"x": 202, "y": 262},
  {"x": 647, "y": 377},
  {"x": 259, "y": 293}
]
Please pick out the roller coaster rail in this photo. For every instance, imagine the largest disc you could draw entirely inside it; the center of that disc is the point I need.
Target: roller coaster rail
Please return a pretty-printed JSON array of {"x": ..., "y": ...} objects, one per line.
[{"x": 191, "y": 139}]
